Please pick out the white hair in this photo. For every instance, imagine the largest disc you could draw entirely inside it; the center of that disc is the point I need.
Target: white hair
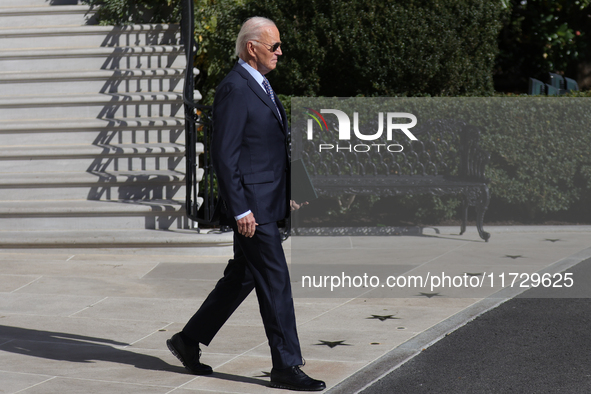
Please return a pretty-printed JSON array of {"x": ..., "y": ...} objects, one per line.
[{"x": 251, "y": 30}]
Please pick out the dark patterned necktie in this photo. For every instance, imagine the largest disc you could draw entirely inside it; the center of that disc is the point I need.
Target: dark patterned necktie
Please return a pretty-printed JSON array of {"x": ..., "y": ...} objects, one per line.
[{"x": 271, "y": 94}]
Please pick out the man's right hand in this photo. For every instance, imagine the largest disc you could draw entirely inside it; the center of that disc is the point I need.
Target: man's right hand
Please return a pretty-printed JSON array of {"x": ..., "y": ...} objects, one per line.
[{"x": 247, "y": 225}]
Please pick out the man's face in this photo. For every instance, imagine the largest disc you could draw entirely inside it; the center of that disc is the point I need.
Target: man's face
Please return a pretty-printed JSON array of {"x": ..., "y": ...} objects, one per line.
[{"x": 265, "y": 59}]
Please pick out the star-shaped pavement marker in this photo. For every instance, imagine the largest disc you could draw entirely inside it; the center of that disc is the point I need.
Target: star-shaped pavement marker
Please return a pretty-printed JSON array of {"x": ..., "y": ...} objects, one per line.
[
  {"x": 331, "y": 344},
  {"x": 517, "y": 256},
  {"x": 552, "y": 240},
  {"x": 382, "y": 318},
  {"x": 430, "y": 295}
]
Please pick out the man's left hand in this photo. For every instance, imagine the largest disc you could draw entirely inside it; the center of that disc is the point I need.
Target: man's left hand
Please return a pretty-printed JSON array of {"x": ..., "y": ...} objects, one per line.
[{"x": 247, "y": 225}]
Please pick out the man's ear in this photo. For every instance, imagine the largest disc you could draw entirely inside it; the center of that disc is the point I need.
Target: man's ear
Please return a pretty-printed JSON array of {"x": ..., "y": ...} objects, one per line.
[{"x": 250, "y": 49}]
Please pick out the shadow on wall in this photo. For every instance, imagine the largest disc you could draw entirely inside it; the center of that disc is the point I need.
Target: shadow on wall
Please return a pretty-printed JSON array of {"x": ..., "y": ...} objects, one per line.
[
  {"x": 139, "y": 68},
  {"x": 141, "y": 129}
]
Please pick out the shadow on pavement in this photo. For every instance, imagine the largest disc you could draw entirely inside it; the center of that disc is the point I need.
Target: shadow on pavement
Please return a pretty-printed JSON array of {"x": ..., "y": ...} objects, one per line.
[
  {"x": 75, "y": 348},
  {"x": 238, "y": 378}
]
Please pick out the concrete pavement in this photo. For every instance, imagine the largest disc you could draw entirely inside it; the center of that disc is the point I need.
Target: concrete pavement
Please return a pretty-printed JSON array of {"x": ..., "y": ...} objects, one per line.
[{"x": 95, "y": 320}]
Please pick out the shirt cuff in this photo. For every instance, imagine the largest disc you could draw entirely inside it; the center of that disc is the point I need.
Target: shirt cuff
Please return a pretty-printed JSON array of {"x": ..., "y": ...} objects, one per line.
[{"x": 242, "y": 215}]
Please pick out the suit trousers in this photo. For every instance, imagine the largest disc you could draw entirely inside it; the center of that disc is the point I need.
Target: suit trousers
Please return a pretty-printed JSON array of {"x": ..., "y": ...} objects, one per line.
[{"x": 259, "y": 263}]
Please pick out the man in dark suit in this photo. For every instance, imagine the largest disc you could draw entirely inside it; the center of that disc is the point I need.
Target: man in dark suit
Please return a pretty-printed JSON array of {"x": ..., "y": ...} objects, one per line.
[{"x": 250, "y": 157}]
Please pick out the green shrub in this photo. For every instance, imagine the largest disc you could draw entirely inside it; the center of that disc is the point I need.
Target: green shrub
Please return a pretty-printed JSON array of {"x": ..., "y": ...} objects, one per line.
[
  {"x": 125, "y": 12},
  {"x": 216, "y": 28},
  {"x": 361, "y": 47}
]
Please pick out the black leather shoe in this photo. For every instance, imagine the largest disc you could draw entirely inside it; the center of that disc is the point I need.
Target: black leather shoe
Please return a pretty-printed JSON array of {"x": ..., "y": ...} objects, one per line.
[
  {"x": 188, "y": 354},
  {"x": 293, "y": 378}
]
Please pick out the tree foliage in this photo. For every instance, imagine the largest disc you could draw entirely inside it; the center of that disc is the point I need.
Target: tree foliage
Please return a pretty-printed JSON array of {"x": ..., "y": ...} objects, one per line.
[{"x": 542, "y": 36}]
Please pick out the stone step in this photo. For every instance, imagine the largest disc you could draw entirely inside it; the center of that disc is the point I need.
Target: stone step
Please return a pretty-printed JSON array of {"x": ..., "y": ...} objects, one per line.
[
  {"x": 100, "y": 163},
  {"x": 65, "y": 15},
  {"x": 105, "y": 58},
  {"x": 88, "y": 215},
  {"x": 85, "y": 179},
  {"x": 103, "y": 81},
  {"x": 96, "y": 185},
  {"x": 73, "y": 208},
  {"x": 101, "y": 157},
  {"x": 93, "y": 131},
  {"x": 106, "y": 105},
  {"x": 62, "y": 151},
  {"x": 91, "y": 36},
  {"x": 157, "y": 222},
  {"x": 117, "y": 239}
]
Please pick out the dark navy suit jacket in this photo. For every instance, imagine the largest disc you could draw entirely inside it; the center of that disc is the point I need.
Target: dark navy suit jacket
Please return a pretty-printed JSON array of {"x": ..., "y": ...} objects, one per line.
[
  {"x": 250, "y": 157},
  {"x": 250, "y": 149}
]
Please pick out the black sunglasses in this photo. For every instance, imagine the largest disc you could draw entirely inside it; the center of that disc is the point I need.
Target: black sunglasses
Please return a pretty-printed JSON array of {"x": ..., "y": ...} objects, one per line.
[{"x": 272, "y": 47}]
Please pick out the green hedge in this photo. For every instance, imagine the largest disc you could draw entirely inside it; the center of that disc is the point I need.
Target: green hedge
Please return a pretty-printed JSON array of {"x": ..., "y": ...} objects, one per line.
[
  {"x": 540, "y": 166},
  {"x": 363, "y": 47},
  {"x": 540, "y": 172}
]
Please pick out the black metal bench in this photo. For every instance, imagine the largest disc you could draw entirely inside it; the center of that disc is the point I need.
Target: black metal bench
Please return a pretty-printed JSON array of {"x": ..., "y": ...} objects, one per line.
[{"x": 446, "y": 160}]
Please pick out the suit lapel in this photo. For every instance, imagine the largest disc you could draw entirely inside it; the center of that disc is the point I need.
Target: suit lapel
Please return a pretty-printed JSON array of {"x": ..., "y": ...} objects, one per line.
[{"x": 258, "y": 90}]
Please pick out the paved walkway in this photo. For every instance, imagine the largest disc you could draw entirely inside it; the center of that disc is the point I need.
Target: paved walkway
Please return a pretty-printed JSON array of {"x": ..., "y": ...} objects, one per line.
[
  {"x": 96, "y": 320},
  {"x": 537, "y": 342}
]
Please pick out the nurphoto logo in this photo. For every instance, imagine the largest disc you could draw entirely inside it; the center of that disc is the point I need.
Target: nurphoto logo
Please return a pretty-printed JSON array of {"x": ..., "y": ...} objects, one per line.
[{"x": 344, "y": 130}]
